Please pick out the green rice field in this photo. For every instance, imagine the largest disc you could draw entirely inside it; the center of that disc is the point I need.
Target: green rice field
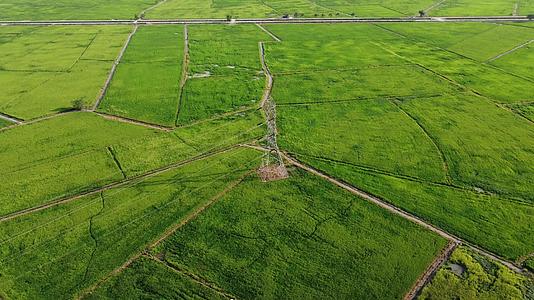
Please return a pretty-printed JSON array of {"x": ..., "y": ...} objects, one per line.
[{"x": 191, "y": 160}]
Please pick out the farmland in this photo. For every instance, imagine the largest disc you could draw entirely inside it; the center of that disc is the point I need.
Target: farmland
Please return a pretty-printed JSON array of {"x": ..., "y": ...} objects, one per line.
[{"x": 244, "y": 161}]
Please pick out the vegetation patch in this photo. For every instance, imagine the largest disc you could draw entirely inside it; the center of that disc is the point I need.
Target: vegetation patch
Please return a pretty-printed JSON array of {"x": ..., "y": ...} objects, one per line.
[
  {"x": 482, "y": 279},
  {"x": 147, "y": 82},
  {"x": 58, "y": 252},
  {"x": 301, "y": 237}
]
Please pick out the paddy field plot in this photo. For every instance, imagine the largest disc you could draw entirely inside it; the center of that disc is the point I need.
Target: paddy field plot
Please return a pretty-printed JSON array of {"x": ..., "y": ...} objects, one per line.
[
  {"x": 451, "y": 144},
  {"x": 146, "y": 85},
  {"x": 59, "y": 252},
  {"x": 68, "y": 155},
  {"x": 44, "y": 69},
  {"x": 300, "y": 237},
  {"x": 39, "y": 10},
  {"x": 224, "y": 71},
  {"x": 279, "y": 8},
  {"x": 482, "y": 8},
  {"x": 414, "y": 114}
]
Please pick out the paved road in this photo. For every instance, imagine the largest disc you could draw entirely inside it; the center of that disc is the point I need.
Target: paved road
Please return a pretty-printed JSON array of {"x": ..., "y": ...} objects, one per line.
[{"x": 273, "y": 21}]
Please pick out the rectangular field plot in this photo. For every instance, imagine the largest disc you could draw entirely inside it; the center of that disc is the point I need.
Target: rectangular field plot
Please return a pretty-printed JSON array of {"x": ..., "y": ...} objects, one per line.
[
  {"x": 518, "y": 61},
  {"x": 499, "y": 85},
  {"x": 367, "y": 133},
  {"x": 439, "y": 34},
  {"x": 75, "y": 244},
  {"x": 67, "y": 155},
  {"x": 146, "y": 84},
  {"x": 373, "y": 82},
  {"x": 207, "y": 97},
  {"x": 71, "y": 9},
  {"x": 224, "y": 72},
  {"x": 58, "y": 157},
  {"x": 160, "y": 150},
  {"x": 211, "y": 9},
  {"x": 486, "y": 146},
  {"x": 491, "y": 43},
  {"x": 310, "y": 55},
  {"x": 475, "y": 8},
  {"x": 301, "y": 237},
  {"x": 45, "y": 69}
]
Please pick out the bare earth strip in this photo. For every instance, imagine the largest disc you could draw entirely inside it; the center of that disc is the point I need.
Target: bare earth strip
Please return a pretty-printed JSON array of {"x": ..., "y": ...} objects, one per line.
[
  {"x": 269, "y": 33},
  {"x": 167, "y": 233},
  {"x": 132, "y": 121},
  {"x": 431, "y": 271},
  {"x": 114, "y": 68},
  {"x": 10, "y": 118}
]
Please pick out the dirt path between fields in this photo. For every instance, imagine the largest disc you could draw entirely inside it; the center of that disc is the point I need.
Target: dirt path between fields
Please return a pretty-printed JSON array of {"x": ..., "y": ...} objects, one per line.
[
  {"x": 433, "y": 6},
  {"x": 185, "y": 68},
  {"x": 121, "y": 183},
  {"x": 144, "y": 11},
  {"x": 277, "y": 39},
  {"x": 11, "y": 119},
  {"x": 510, "y": 51},
  {"x": 33, "y": 121},
  {"x": 114, "y": 68},
  {"x": 165, "y": 235},
  {"x": 431, "y": 271},
  {"x": 132, "y": 121}
]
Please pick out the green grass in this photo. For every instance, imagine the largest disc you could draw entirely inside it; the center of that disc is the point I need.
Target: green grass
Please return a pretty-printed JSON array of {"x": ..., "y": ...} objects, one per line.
[
  {"x": 369, "y": 133},
  {"x": 225, "y": 72},
  {"x": 479, "y": 8},
  {"x": 146, "y": 278},
  {"x": 45, "y": 69},
  {"x": 529, "y": 264},
  {"x": 485, "y": 146},
  {"x": 482, "y": 279},
  {"x": 60, "y": 251},
  {"x": 147, "y": 82},
  {"x": 525, "y": 110},
  {"x": 67, "y": 155},
  {"x": 312, "y": 55},
  {"x": 501, "y": 225},
  {"x": 71, "y": 10},
  {"x": 164, "y": 149},
  {"x": 301, "y": 237},
  {"x": 484, "y": 79},
  {"x": 366, "y": 83},
  {"x": 483, "y": 47},
  {"x": 517, "y": 62},
  {"x": 278, "y": 8},
  {"x": 439, "y": 34},
  {"x": 207, "y": 97}
]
